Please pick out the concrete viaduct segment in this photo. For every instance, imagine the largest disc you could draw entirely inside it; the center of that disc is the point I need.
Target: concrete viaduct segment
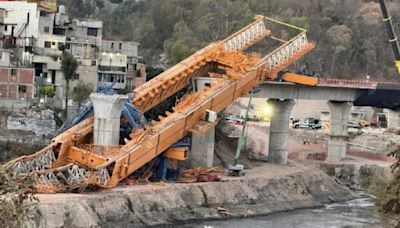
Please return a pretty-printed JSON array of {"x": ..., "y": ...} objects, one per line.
[
  {"x": 340, "y": 95},
  {"x": 281, "y": 96}
]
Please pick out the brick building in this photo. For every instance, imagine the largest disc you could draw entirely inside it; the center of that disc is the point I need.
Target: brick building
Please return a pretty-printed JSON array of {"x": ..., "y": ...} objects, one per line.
[{"x": 16, "y": 83}]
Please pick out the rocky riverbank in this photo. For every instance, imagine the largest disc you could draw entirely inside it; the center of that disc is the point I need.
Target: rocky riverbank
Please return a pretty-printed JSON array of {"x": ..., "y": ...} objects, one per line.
[{"x": 264, "y": 190}]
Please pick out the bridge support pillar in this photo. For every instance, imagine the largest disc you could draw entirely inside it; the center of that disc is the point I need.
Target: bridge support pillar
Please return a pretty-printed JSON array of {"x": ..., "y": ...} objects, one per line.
[
  {"x": 393, "y": 119},
  {"x": 107, "y": 115},
  {"x": 279, "y": 130},
  {"x": 202, "y": 149},
  {"x": 337, "y": 144}
]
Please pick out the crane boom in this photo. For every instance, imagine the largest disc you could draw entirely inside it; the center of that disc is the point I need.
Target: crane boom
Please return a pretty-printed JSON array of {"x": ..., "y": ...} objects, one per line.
[
  {"x": 72, "y": 160},
  {"x": 392, "y": 36}
]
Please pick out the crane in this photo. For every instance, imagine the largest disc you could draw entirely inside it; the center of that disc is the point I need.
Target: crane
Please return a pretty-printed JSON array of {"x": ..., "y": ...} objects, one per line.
[
  {"x": 394, "y": 42},
  {"x": 71, "y": 160}
]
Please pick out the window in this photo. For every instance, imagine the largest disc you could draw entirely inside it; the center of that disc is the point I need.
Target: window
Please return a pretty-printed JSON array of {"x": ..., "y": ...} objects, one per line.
[
  {"x": 46, "y": 29},
  {"x": 120, "y": 46},
  {"x": 53, "y": 43},
  {"x": 47, "y": 44},
  {"x": 112, "y": 45},
  {"x": 22, "y": 89},
  {"x": 1, "y": 55},
  {"x": 5, "y": 27},
  {"x": 13, "y": 72},
  {"x": 94, "y": 63},
  {"x": 119, "y": 78},
  {"x": 92, "y": 31},
  {"x": 61, "y": 46}
]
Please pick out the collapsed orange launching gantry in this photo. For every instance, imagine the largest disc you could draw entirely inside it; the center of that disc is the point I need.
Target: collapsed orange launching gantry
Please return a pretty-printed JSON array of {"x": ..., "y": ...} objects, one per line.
[{"x": 71, "y": 160}]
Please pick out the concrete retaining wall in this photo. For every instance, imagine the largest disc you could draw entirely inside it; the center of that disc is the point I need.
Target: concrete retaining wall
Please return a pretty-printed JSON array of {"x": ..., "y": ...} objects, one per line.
[{"x": 140, "y": 206}]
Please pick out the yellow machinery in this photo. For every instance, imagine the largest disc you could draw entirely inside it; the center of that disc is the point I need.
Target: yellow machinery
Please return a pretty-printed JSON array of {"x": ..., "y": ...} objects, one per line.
[
  {"x": 71, "y": 160},
  {"x": 394, "y": 42}
]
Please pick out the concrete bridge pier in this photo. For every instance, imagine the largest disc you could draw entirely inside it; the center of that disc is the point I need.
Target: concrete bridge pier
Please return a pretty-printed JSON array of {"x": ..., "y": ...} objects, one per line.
[
  {"x": 393, "y": 119},
  {"x": 202, "y": 149},
  {"x": 107, "y": 115},
  {"x": 337, "y": 144},
  {"x": 279, "y": 130}
]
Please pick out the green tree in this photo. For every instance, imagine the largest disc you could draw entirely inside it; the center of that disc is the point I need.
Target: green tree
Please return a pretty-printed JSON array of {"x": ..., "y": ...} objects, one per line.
[
  {"x": 180, "y": 51},
  {"x": 151, "y": 72},
  {"x": 302, "y": 22},
  {"x": 81, "y": 92},
  {"x": 46, "y": 90},
  {"x": 68, "y": 67}
]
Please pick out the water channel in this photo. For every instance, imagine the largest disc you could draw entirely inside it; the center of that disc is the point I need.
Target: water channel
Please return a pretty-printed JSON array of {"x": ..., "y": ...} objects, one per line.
[{"x": 355, "y": 213}]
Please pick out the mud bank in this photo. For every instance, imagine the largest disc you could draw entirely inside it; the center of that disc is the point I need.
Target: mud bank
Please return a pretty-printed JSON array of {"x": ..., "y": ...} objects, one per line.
[
  {"x": 259, "y": 193},
  {"x": 354, "y": 176}
]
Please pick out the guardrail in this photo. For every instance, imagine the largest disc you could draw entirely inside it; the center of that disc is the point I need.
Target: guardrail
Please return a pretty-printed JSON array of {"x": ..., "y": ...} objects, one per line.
[
  {"x": 343, "y": 83},
  {"x": 285, "y": 52},
  {"x": 246, "y": 36}
]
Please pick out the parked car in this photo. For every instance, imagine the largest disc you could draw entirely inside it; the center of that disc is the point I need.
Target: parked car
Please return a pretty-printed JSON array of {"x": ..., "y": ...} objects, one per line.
[
  {"x": 353, "y": 125},
  {"x": 309, "y": 123}
]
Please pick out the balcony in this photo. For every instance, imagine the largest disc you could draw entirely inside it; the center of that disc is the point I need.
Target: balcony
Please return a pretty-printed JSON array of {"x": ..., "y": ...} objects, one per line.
[
  {"x": 111, "y": 68},
  {"x": 54, "y": 65},
  {"x": 46, "y": 5},
  {"x": 47, "y": 51}
]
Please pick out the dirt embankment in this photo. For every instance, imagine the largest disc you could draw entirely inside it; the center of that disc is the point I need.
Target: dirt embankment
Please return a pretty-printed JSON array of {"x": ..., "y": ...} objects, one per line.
[{"x": 259, "y": 193}]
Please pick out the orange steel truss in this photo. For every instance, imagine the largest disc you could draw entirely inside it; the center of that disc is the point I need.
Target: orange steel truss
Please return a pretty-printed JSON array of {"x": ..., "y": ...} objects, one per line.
[{"x": 72, "y": 161}]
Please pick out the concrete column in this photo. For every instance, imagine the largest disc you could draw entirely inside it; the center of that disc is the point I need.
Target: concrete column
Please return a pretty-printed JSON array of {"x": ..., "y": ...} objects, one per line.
[
  {"x": 337, "y": 144},
  {"x": 202, "y": 149},
  {"x": 393, "y": 119},
  {"x": 279, "y": 130},
  {"x": 107, "y": 114}
]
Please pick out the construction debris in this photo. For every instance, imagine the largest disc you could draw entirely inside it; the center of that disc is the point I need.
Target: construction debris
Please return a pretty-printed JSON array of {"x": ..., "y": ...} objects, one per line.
[
  {"x": 239, "y": 73},
  {"x": 196, "y": 172}
]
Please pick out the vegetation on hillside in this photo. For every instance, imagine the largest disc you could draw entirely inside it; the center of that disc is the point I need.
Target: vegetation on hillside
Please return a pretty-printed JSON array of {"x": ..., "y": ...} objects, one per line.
[
  {"x": 351, "y": 38},
  {"x": 386, "y": 188}
]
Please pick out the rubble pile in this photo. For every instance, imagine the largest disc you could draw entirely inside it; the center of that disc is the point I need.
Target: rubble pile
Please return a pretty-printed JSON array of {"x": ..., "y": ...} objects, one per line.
[{"x": 40, "y": 122}]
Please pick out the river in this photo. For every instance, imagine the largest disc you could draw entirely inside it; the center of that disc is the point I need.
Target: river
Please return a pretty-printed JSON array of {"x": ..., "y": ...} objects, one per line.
[{"x": 355, "y": 213}]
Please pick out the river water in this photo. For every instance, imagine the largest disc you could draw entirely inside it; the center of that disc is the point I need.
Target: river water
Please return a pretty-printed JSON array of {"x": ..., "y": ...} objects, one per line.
[{"x": 355, "y": 213}]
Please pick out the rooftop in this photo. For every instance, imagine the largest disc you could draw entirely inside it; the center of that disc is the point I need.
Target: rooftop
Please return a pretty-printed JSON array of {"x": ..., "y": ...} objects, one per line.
[{"x": 88, "y": 23}]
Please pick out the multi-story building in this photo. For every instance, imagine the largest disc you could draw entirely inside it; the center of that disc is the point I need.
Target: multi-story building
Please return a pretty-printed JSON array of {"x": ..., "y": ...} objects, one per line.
[
  {"x": 16, "y": 83},
  {"x": 33, "y": 34},
  {"x": 112, "y": 68},
  {"x": 84, "y": 43},
  {"x": 134, "y": 74},
  {"x": 28, "y": 31}
]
